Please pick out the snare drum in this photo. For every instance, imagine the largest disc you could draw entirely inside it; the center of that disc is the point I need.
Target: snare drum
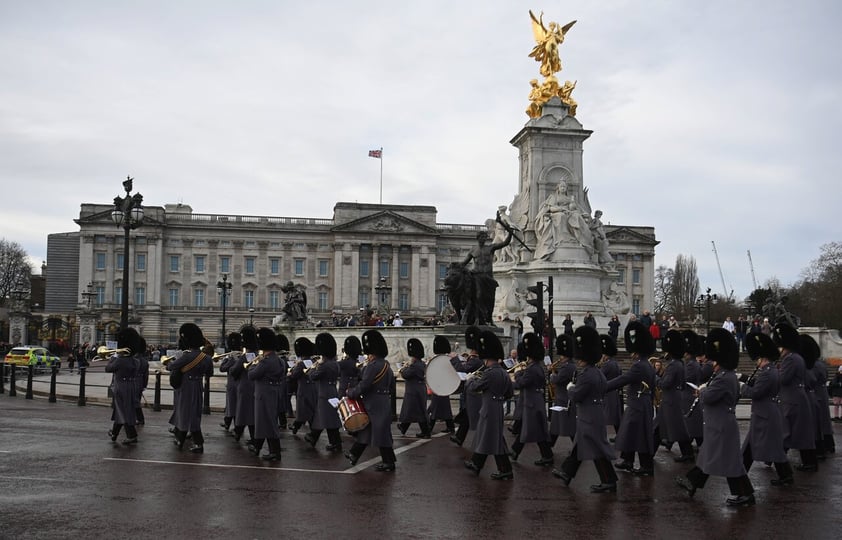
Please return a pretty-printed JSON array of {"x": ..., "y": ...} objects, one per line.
[{"x": 353, "y": 415}]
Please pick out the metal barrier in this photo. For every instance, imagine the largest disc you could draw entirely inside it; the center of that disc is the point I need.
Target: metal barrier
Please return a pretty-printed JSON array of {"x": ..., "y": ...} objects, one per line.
[
  {"x": 82, "y": 400},
  {"x": 156, "y": 406},
  {"x": 2, "y": 377},
  {"x": 12, "y": 382},
  {"x": 206, "y": 408},
  {"x": 30, "y": 374},
  {"x": 52, "y": 398}
]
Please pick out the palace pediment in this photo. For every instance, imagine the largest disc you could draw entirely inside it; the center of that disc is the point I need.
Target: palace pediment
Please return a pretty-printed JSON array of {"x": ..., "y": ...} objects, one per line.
[{"x": 385, "y": 222}]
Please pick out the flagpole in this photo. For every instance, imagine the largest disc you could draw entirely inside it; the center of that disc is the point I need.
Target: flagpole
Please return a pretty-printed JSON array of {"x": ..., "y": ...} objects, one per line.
[{"x": 381, "y": 175}]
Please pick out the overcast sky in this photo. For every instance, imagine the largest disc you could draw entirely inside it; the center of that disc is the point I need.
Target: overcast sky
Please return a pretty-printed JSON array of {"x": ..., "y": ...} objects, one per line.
[{"x": 713, "y": 121}]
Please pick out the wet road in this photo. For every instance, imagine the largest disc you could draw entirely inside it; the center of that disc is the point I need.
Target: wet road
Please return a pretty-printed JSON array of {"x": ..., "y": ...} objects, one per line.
[{"x": 61, "y": 477}]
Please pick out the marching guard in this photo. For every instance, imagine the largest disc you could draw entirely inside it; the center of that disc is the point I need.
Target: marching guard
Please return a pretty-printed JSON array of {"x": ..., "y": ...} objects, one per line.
[
  {"x": 244, "y": 410},
  {"x": 439, "y": 406},
  {"x": 562, "y": 373},
  {"x": 494, "y": 387},
  {"x": 531, "y": 381},
  {"x": 324, "y": 374},
  {"x": 611, "y": 369},
  {"x": 765, "y": 438},
  {"x": 637, "y": 426},
  {"x": 235, "y": 343},
  {"x": 720, "y": 454},
  {"x": 376, "y": 380},
  {"x": 306, "y": 392},
  {"x": 671, "y": 426},
  {"x": 194, "y": 365},
  {"x": 266, "y": 372},
  {"x": 349, "y": 372},
  {"x": 694, "y": 347},
  {"x": 123, "y": 367},
  {"x": 588, "y": 392},
  {"x": 414, "y": 406},
  {"x": 469, "y": 404}
]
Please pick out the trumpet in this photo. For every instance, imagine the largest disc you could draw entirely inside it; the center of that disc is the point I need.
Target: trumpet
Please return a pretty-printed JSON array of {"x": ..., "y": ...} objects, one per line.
[
  {"x": 317, "y": 361},
  {"x": 477, "y": 373},
  {"x": 103, "y": 352},
  {"x": 255, "y": 361},
  {"x": 218, "y": 357},
  {"x": 520, "y": 366}
]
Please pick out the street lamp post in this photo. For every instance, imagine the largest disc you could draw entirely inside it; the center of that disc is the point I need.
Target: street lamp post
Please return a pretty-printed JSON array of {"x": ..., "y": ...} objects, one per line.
[
  {"x": 382, "y": 294},
  {"x": 224, "y": 289},
  {"x": 251, "y": 316},
  {"x": 128, "y": 214},
  {"x": 707, "y": 298},
  {"x": 89, "y": 295}
]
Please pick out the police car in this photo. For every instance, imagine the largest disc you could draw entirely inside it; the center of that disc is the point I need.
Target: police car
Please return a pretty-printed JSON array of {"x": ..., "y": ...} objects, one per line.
[{"x": 30, "y": 355}]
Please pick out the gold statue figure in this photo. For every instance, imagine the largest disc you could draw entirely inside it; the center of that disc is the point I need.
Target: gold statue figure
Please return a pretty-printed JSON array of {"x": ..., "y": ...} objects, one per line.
[
  {"x": 564, "y": 94},
  {"x": 548, "y": 40}
]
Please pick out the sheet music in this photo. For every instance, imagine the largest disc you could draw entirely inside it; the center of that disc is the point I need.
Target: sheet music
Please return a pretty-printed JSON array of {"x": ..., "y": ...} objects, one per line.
[
  {"x": 462, "y": 375},
  {"x": 558, "y": 408},
  {"x": 307, "y": 362},
  {"x": 250, "y": 356},
  {"x": 334, "y": 402}
]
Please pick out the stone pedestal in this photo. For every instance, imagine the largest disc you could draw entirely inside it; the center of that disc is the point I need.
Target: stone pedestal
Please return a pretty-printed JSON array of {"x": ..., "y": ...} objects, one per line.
[
  {"x": 18, "y": 334},
  {"x": 554, "y": 218}
]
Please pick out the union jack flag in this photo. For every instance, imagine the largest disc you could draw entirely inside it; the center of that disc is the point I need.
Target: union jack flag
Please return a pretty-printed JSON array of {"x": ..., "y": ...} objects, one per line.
[{"x": 375, "y": 154}]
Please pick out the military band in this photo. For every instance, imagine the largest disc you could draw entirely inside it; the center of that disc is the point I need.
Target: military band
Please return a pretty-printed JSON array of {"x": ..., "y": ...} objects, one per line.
[{"x": 785, "y": 389}]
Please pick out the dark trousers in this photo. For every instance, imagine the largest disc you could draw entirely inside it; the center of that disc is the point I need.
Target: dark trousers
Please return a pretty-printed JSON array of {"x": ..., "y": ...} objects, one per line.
[
  {"x": 544, "y": 446},
  {"x": 809, "y": 457},
  {"x": 333, "y": 436},
  {"x": 451, "y": 428},
  {"x": 647, "y": 461},
  {"x": 464, "y": 424},
  {"x": 131, "y": 432},
  {"x": 273, "y": 444},
  {"x": 238, "y": 432},
  {"x": 387, "y": 453},
  {"x": 570, "y": 466},
  {"x": 139, "y": 414},
  {"x": 685, "y": 446},
  {"x": 424, "y": 426},
  {"x": 783, "y": 468},
  {"x": 740, "y": 486},
  {"x": 504, "y": 465},
  {"x": 181, "y": 436},
  {"x": 554, "y": 438}
]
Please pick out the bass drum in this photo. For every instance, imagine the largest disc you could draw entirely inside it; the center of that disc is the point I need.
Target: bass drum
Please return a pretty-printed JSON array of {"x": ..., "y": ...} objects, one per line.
[{"x": 442, "y": 377}]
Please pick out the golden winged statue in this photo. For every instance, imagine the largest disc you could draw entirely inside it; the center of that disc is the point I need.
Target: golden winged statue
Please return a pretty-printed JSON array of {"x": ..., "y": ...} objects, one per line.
[{"x": 548, "y": 40}]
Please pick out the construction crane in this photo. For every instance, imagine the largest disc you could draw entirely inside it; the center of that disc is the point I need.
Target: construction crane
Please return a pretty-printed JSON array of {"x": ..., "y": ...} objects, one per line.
[
  {"x": 751, "y": 265},
  {"x": 721, "y": 275}
]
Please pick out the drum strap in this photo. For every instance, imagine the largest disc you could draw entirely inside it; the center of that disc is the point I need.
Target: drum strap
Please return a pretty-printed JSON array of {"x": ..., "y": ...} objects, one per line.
[
  {"x": 382, "y": 374},
  {"x": 194, "y": 363}
]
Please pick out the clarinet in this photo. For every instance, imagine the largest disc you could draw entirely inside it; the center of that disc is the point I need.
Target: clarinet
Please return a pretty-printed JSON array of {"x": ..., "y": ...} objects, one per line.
[{"x": 695, "y": 403}]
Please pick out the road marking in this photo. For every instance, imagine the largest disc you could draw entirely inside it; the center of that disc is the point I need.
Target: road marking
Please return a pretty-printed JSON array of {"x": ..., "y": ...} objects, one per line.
[
  {"x": 5, "y": 451},
  {"x": 352, "y": 470},
  {"x": 225, "y": 466},
  {"x": 36, "y": 479}
]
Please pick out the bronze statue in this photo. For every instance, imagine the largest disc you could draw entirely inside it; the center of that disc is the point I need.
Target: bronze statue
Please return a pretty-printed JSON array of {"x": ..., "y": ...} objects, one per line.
[
  {"x": 295, "y": 302},
  {"x": 471, "y": 292}
]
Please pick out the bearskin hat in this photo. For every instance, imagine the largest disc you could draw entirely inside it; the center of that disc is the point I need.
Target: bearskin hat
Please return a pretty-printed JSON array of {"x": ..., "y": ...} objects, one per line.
[
  {"x": 129, "y": 338},
  {"x": 325, "y": 345},
  {"x": 564, "y": 345},
  {"x": 674, "y": 344},
  {"x": 721, "y": 347},
  {"x": 609, "y": 346},
  {"x": 691, "y": 342},
  {"x": 786, "y": 337},
  {"x": 760, "y": 345},
  {"x": 375, "y": 344},
  {"x": 472, "y": 338},
  {"x": 191, "y": 336},
  {"x": 283, "y": 343},
  {"x": 533, "y": 345},
  {"x": 352, "y": 346},
  {"x": 415, "y": 348},
  {"x": 141, "y": 345},
  {"x": 249, "y": 336},
  {"x": 234, "y": 341},
  {"x": 303, "y": 347},
  {"x": 810, "y": 350},
  {"x": 266, "y": 340},
  {"x": 441, "y": 345},
  {"x": 489, "y": 346},
  {"x": 588, "y": 346},
  {"x": 638, "y": 339}
]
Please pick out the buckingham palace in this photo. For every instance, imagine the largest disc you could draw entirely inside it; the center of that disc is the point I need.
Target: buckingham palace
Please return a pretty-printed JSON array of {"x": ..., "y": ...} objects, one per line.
[{"x": 393, "y": 258}]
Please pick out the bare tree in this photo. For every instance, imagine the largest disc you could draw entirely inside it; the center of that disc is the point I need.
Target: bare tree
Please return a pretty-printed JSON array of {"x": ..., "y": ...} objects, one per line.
[
  {"x": 817, "y": 297},
  {"x": 685, "y": 285},
  {"x": 15, "y": 270},
  {"x": 663, "y": 287}
]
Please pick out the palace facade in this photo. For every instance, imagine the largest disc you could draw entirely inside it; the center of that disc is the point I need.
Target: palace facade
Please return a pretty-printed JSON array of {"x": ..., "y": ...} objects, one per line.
[{"x": 392, "y": 258}]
